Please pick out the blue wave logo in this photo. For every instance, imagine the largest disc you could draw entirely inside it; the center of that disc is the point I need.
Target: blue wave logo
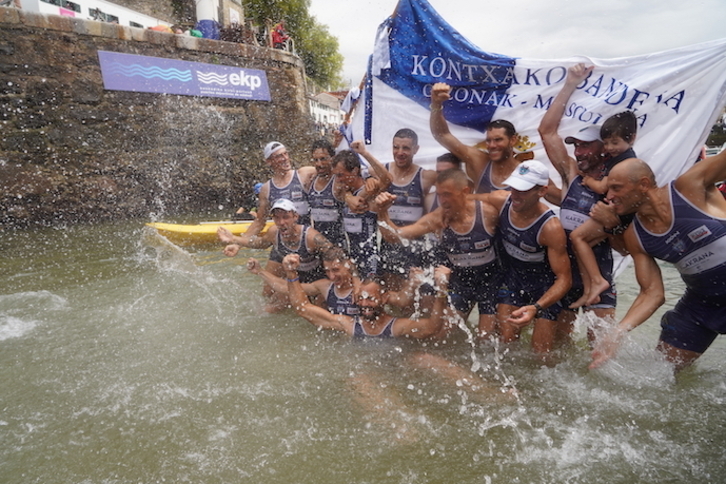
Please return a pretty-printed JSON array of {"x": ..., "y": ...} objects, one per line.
[
  {"x": 212, "y": 78},
  {"x": 132, "y": 70}
]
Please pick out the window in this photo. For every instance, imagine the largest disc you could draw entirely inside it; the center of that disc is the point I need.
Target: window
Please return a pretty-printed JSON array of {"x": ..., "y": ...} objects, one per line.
[
  {"x": 71, "y": 6},
  {"x": 134, "y": 24}
]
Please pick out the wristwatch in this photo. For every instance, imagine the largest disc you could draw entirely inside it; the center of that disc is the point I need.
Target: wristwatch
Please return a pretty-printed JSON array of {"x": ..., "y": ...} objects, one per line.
[{"x": 538, "y": 308}]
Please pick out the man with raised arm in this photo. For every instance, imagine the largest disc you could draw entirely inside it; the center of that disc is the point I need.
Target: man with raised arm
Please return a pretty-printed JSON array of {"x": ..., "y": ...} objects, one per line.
[
  {"x": 286, "y": 183},
  {"x": 683, "y": 222},
  {"x": 371, "y": 320},
  {"x": 488, "y": 169},
  {"x": 577, "y": 200}
]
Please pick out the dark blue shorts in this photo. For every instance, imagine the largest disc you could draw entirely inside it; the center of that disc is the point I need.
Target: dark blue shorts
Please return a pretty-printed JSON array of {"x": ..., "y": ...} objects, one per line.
[
  {"x": 694, "y": 322},
  {"x": 476, "y": 286},
  {"x": 398, "y": 258},
  {"x": 521, "y": 291}
]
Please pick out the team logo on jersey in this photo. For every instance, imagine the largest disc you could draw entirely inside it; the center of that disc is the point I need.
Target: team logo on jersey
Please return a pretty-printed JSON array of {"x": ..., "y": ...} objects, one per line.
[{"x": 699, "y": 233}]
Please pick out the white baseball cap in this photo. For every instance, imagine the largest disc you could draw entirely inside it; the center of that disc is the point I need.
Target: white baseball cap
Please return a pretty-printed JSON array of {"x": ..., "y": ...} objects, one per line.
[
  {"x": 271, "y": 147},
  {"x": 528, "y": 175},
  {"x": 283, "y": 204},
  {"x": 586, "y": 134}
]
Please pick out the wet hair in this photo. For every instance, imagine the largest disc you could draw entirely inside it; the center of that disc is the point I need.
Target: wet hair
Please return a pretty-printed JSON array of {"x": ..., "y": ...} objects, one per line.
[
  {"x": 504, "y": 124},
  {"x": 335, "y": 254},
  {"x": 407, "y": 133},
  {"x": 454, "y": 174},
  {"x": 450, "y": 158},
  {"x": 624, "y": 125},
  {"x": 323, "y": 144},
  {"x": 349, "y": 159}
]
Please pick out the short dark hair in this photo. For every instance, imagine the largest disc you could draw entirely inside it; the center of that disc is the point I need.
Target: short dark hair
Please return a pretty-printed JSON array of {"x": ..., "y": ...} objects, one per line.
[
  {"x": 623, "y": 125},
  {"x": 407, "y": 133},
  {"x": 348, "y": 158},
  {"x": 449, "y": 158},
  {"x": 503, "y": 123},
  {"x": 453, "y": 174},
  {"x": 323, "y": 144}
]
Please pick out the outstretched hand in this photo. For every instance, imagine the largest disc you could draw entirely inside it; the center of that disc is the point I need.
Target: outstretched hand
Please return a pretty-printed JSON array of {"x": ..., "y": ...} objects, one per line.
[
  {"x": 606, "y": 348},
  {"x": 225, "y": 235}
]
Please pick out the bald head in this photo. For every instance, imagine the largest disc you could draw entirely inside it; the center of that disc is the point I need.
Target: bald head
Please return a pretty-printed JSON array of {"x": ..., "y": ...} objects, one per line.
[{"x": 634, "y": 170}]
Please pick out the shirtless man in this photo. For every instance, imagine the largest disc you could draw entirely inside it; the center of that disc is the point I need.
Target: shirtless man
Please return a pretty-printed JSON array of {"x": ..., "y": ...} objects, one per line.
[
  {"x": 488, "y": 169},
  {"x": 410, "y": 183},
  {"x": 285, "y": 183},
  {"x": 683, "y": 222},
  {"x": 371, "y": 321},
  {"x": 538, "y": 269}
]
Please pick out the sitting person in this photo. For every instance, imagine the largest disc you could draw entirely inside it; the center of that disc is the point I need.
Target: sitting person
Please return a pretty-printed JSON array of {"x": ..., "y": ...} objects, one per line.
[
  {"x": 287, "y": 236},
  {"x": 371, "y": 321}
]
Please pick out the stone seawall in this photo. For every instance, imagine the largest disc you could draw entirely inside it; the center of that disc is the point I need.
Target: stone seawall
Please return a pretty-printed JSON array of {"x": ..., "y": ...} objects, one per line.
[{"x": 71, "y": 151}]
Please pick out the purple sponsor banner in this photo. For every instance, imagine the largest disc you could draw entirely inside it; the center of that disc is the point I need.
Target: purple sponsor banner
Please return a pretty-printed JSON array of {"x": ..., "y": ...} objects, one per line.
[{"x": 139, "y": 73}]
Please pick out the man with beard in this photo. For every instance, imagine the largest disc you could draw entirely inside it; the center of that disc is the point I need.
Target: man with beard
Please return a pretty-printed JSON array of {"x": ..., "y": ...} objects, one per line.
[
  {"x": 488, "y": 169},
  {"x": 684, "y": 223},
  {"x": 324, "y": 195},
  {"x": 410, "y": 183},
  {"x": 577, "y": 200},
  {"x": 285, "y": 183},
  {"x": 371, "y": 321},
  {"x": 465, "y": 229},
  {"x": 286, "y": 237}
]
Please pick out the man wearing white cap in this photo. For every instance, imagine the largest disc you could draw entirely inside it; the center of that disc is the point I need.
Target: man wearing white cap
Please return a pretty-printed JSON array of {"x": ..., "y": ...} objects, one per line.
[
  {"x": 285, "y": 183},
  {"x": 576, "y": 199},
  {"x": 286, "y": 237},
  {"x": 538, "y": 274}
]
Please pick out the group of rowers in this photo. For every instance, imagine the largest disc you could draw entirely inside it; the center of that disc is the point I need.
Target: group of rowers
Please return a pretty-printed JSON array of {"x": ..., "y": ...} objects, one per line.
[{"x": 476, "y": 232}]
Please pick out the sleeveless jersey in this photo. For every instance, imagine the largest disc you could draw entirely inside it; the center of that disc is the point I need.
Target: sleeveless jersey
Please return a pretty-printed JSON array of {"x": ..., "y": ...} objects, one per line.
[
  {"x": 359, "y": 331},
  {"x": 409, "y": 204},
  {"x": 361, "y": 229},
  {"x": 340, "y": 305},
  {"x": 474, "y": 248},
  {"x": 575, "y": 211},
  {"x": 325, "y": 212},
  {"x": 293, "y": 191},
  {"x": 309, "y": 261},
  {"x": 524, "y": 252},
  {"x": 485, "y": 184},
  {"x": 695, "y": 243}
]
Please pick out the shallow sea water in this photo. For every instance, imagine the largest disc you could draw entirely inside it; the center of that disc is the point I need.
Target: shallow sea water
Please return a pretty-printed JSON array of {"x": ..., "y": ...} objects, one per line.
[{"x": 125, "y": 359}]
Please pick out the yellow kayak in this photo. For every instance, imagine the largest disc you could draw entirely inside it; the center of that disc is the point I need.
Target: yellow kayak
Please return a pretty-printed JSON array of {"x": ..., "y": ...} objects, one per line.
[{"x": 203, "y": 233}]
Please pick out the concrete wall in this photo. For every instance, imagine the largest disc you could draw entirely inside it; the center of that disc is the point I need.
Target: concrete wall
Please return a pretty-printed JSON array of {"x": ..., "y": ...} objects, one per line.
[{"x": 71, "y": 151}]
